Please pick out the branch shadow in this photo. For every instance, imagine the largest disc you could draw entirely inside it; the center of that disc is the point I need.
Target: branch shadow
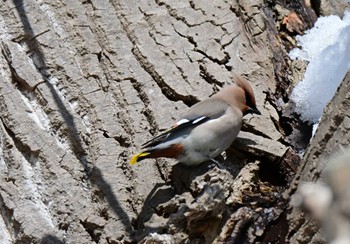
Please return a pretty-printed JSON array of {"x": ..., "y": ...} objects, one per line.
[
  {"x": 161, "y": 193},
  {"x": 73, "y": 134},
  {"x": 50, "y": 239},
  {"x": 163, "y": 202}
]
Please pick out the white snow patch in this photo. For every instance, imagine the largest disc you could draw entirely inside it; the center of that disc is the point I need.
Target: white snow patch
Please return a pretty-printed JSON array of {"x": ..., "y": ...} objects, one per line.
[
  {"x": 164, "y": 238},
  {"x": 61, "y": 92},
  {"x": 57, "y": 26},
  {"x": 32, "y": 181},
  {"x": 73, "y": 105},
  {"x": 312, "y": 45},
  {"x": 78, "y": 64},
  {"x": 4, "y": 31},
  {"x": 36, "y": 113},
  {"x": 5, "y": 237},
  {"x": 62, "y": 143},
  {"x": 3, "y": 166},
  {"x": 87, "y": 123},
  {"x": 314, "y": 128},
  {"x": 327, "y": 48}
]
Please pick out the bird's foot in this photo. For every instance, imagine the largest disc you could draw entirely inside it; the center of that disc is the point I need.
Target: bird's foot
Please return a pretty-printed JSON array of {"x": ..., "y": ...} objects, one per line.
[{"x": 214, "y": 163}]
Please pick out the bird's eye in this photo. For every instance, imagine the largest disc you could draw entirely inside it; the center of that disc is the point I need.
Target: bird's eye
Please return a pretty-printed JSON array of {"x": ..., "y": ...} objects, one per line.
[{"x": 248, "y": 100}]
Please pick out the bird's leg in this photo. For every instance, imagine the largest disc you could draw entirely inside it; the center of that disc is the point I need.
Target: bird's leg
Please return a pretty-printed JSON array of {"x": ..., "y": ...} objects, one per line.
[{"x": 214, "y": 163}]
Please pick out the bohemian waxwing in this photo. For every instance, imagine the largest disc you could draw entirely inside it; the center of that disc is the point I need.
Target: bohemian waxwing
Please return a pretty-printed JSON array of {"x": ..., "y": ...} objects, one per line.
[{"x": 207, "y": 129}]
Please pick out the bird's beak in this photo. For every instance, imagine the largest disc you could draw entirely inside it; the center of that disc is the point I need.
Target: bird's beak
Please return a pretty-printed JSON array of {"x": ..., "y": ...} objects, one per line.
[{"x": 253, "y": 110}]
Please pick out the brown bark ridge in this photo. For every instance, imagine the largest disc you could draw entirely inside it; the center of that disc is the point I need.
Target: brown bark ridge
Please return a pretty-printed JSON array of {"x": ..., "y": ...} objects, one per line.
[{"x": 84, "y": 83}]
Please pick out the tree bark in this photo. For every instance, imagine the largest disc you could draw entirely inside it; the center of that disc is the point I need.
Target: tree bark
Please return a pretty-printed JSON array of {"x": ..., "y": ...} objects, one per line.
[
  {"x": 332, "y": 137},
  {"x": 85, "y": 83}
]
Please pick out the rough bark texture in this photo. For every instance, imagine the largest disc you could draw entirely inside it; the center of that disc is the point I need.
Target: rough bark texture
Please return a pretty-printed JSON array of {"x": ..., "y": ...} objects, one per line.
[
  {"x": 84, "y": 83},
  {"x": 332, "y": 136}
]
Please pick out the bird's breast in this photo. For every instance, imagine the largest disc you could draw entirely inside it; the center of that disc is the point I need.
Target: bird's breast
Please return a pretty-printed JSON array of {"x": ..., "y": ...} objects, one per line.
[{"x": 211, "y": 138}]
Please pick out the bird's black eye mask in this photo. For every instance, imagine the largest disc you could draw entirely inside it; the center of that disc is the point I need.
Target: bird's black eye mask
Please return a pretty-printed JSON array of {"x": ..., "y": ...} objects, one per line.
[
  {"x": 251, "y": 106},
  {"x": 248, "y": 100}
]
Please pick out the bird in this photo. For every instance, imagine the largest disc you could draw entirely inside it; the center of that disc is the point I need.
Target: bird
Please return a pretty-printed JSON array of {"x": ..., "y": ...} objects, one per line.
[{"x": 207, "y": 129}]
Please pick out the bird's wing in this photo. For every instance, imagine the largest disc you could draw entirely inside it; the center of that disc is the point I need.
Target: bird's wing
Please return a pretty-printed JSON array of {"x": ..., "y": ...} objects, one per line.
[{"x": 201, "y": 112}]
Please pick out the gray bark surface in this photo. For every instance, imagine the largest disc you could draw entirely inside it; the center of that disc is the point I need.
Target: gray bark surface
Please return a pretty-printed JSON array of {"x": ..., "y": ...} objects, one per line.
[{"x": 84, "y": 83}]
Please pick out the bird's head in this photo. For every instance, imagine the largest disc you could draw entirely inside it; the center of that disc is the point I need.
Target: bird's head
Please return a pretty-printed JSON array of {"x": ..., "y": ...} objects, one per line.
[{"x": 240, "y": 95}]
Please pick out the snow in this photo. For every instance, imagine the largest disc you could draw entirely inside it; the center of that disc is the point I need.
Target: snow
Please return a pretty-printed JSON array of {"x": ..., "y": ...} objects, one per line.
[
  {"x": 5, "y": 236},
  {"x": 327, "y": 48},
  {"x": 4, "y": 31},
  {"x": 86, "y": 123},
  {"x": 36, "y": 113},
  {"x": 34, "y": 186},
  {"x": 3, "y": 166},
  {"x": 163, "y": 238}
]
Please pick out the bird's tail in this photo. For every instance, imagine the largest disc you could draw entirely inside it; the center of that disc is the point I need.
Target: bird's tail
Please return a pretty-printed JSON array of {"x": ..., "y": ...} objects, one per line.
[
  {"x": 138, "y": 157},
  {"x": 173, "y": 151}
]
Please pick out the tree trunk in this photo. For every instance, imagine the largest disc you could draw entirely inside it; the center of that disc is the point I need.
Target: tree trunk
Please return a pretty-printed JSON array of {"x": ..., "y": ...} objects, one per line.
[{"x": 85, "y": 83}]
